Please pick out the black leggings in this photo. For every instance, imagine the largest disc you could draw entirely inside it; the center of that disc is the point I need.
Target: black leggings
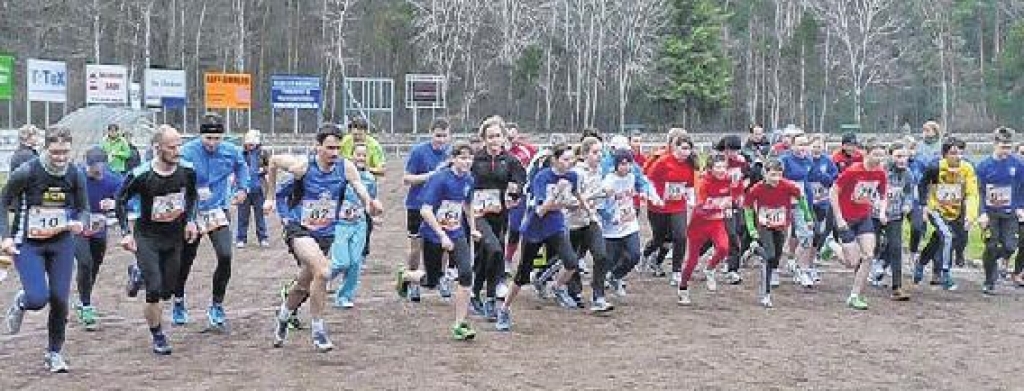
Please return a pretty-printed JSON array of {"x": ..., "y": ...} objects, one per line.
[
  {"x": 459, "y": 255},
  {"x": 773, "y": 242},
  {"x": 221, "y": 240},
  {"x": 89, "y": 252},
  {"x": 590, "y": 239},
  {"x": 669, "y": 226},
  {"x": 557, "y": 243},
  {"x": 489, "y": 262}
]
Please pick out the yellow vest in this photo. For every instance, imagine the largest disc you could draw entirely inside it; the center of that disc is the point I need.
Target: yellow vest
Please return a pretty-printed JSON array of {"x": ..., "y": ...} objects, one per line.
[{"x": 955, "y": 189}]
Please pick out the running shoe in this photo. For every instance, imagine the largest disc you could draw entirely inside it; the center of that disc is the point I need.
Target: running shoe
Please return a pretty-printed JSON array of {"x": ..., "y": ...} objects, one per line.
[
  {"x": 709, "y": 280},
  {"x": 160, "y": 345},
  {"x": 775, "y": 278},
  {"x": 918, "y": 273},
  {"x": 947, "y": 281},
  {"x": 321, "y": 342},
  {"x": 563, "y": 299},
  {"x": 490, "y": 310},
  {"x": 540, "y": 287},
  {"x": 988, "y": 290},
  {"x": 733, "y": 278},
  {"x": 462, "y": 331},
  {"x": 55, "y": 363},
  {"x": 135, "y": 280},
  {"x": 15, "y": 314},
  {"x": 684, "y": 297},
  {"x": 877, "y": 272},
  {"x": 179, "y": 314},
  {"x": 899, "y": 295},
  {"x": 504, "y": 322},
  {"x": 444, "y": 287},
  {"x": 280, "y": 332},
  {"x": 476, "y": 306},
  {"x": 294, "y": 323},
  {"x": 414, "y": 293},
  {"x": 804, "y": 279},
  {"x": 240, "y": 245},
  {"x": 401, "y": 286},
  {"x": 501, "y": 291},
  {"x": 215, "y": 314},
  {"x": 344, "y": 303},
  {"x": 766, "y": 301},
  {"x": 657, "y": 270},
  {"x": 815, "y": 275},
  {"x": 87, "y": 317},
  {"x": 618, "y": 287},
  {"x": 676, "y": 277},
  {"x": 601, "y": 305},
  {"x": 857, "y": 303}
]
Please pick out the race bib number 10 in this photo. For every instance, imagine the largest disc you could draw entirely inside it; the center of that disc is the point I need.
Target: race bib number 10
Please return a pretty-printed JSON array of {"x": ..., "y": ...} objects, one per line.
[
  {"x": 45, "y": 223},
  {"x": 771, "y": 217}
]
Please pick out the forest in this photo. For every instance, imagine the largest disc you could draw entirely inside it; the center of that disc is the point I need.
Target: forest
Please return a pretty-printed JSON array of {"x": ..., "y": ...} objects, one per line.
[{"x": 562, "y": 65}]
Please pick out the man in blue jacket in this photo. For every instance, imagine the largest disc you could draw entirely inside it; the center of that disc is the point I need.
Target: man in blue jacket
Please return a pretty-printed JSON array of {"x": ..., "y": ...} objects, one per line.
[
  {"x": 256, "y": 158},
  {"x": 1000, "y": 184},
  {"x": 214, "y": 162}
]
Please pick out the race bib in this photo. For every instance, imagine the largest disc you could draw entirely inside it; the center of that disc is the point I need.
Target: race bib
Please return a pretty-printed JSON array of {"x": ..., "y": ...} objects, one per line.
[
  {"x": 627, "y": 214},
  {"x": 561, "y": 195},
  {"x": 675, "y": 191},
  {"x": 949, "y": 193},
  {"x": 212, "y": 220},
  {"x": 449, "y": 215},
  {"x": 351, "y": 211},
  {"x": 771, "y": 217},
  {"x": 894, "y": 195},
  {"x": 317, "y": 214},
  {"x": 998, "y": 196},
  {"x": 204, "y": 193},
  {"x": 97, "y": 223},
  {"x": 865, "y": 192},
  {"x": 487, "y": 201},
  {"x": 819, "y": 192},
  {"x": 717, "y": 206},
  {"x": 167, "y": 208},
  {"x": 44, "y": 223}
]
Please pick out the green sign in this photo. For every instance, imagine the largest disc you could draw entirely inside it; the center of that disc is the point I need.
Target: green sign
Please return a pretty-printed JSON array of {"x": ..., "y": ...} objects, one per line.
[{"x": 6, "y": 77}]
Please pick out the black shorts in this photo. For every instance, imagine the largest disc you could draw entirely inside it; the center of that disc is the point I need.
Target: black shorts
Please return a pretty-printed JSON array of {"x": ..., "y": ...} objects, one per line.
[
  {"x": 857, "y": 228},
  {"x": 413, "y": 220},
  {"x": 294, "y": 230}
]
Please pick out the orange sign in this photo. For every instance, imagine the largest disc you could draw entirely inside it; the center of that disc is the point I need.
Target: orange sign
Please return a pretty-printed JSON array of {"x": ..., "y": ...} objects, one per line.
[{"x": 228, "y": 91}]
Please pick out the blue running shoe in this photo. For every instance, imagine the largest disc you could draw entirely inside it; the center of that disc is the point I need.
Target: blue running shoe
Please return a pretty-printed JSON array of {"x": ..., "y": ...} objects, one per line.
[
  {"x": 476, "y": 307},
  {"x": 135, "y": 280},
  {"x": 947, "y": 281},
  {"x": 179, "y": 314},
  {"x": 918, "y": 273},
  {"x": 491, "y": 310},
  {"x": 160, "y": 345},
  {"x": 321, "y": 342},
  {"x": 444, "y": 287},
  {"x": 504, "y": 319},
  {"x": 216, "y": 315},
  {"x": 414, "y": 293},
  {"x": 563, "y": 298}
]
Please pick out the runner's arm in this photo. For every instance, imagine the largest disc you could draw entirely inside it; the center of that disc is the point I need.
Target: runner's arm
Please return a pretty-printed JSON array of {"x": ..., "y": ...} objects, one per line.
[
  {"x": 287, "y": 163},
  {"x": 748, "y": 217},
  {"x": 191, "y": 198},
  {"x": 13, "y": 190},
  {"x": 124, "y": 196}
]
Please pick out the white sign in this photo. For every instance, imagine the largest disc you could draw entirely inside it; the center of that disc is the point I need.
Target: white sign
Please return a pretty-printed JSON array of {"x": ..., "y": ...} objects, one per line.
[
  {"x": 47, "y": 81},
  {"x": 135, "y": 95},
  {"x": 163, "y": 83},
  {"x": 106, "y": 85}
]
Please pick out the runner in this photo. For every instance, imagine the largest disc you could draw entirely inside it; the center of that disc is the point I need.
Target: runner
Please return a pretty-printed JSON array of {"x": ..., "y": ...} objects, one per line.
[
  {"x": 424, "y": 160},
  {"x": 900, "y": 196},
  {"x": 949, "y": 194},
  {"x": 999, "y": 178},
  {"x": 673, "y": 177},
  {"x": 544, "y": 225},
  {"x": 496, "y": 174},
  {"x": 822, "y": 175},
  {"x": 757, "y": 144},
  {"x": 848, "y": 154},
  {"x": 314, "y": 210},
  {"x": 619, "y": 223},
  {"x": 256, "y": 159},
  {"x": 350, "y": 235},
  {"x": 716, "y": 195},
  {"x": 91, "y": 246},
  {"x": 49, "y": 195},
  {"x": 585, "y": 233},
  {"x": 739, "y": 172},
  {"x": 376, "y": 160},
  {"x": 767, "y": 209},
  {"x": 167, "y": 197},
  {"x": 525, "y": 153},
  {"x": 798, "y": 167},
  {"x": 214, "y": 162},
  {"x": 852, "y": 197},
  {"x": 446, "y": 199}
]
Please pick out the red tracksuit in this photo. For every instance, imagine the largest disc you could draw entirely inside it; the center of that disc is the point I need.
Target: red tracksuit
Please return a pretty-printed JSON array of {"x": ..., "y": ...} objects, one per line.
[{"x": 714, "y": 197}]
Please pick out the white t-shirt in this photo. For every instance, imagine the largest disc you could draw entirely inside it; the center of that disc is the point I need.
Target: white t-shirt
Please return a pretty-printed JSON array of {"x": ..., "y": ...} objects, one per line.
[{"x": 623, "y": 220}]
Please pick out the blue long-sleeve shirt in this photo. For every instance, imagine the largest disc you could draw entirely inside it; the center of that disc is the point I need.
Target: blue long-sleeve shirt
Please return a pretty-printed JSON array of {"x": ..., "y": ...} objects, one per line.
[
  {"x": 1000, "y": 184},
  {"x": 213, "y": 171},
  {"x": 820, "y": 177}
]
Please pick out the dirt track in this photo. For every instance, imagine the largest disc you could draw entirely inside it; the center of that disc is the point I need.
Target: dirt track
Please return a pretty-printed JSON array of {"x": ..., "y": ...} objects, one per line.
[{"x": 940, "y": 340}]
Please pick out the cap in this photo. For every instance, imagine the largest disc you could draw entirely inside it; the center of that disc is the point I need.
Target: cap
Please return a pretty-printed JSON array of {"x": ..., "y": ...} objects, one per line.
[
  {"x": 95, "y": 155},
  {"x": 849, "y": 138},
  {"x": 252, "y": 137}
]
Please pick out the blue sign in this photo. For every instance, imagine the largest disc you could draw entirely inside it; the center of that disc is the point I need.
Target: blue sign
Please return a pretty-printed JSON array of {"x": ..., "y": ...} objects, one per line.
[
  {"x": 295, "y": 92},
  {"x": 168, "y": 102}
]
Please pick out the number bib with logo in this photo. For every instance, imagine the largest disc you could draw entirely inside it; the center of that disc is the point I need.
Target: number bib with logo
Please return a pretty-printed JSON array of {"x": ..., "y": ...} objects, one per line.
[
  {"x": 562, "y": 196},
  {"x": 167, "y": 208},
  {"x": 865, "y": 192},
  {"x": 211, "y": 220},
  {"x": 449, "y": 215},
  {"x": 317, "y": 214},
  {"x": 949, "y": 193},
  {"x": 718, "y": 205},
  {"x": 819, "y": 192},
  {"x": 486, "y": 201},
  {"x": 44, "y": 223},
  {"x": 97, "y": 223},
  {"x": 351, "y": 211},
  {"x": 998, "y": 196},
  {"x": 771, "y": 217},
  {"x": 675, "y": 191}
]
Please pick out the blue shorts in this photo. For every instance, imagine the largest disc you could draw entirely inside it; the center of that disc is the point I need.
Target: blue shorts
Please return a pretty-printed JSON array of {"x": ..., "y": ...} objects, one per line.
[{"x": 857, "y": 228}]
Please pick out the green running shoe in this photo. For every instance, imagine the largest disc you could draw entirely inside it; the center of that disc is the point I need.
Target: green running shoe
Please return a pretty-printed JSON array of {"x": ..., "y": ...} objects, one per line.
[
  {"x": 462, "y": 331},
  {"x": 87, "y": 317},
  {"x": 857, "y": 303}
]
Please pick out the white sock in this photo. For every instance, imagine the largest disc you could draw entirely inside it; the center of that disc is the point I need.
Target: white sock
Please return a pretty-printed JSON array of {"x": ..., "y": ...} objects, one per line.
[{"x": 284, "y": 313}]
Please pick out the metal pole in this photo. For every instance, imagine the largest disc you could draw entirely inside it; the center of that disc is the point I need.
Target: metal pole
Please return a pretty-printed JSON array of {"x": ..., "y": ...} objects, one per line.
[
  {"x": 28, "y": 111},
  {"x": 10, "y": 113},
  {"x": 227, "y": 114},
  {"x": 46, "y": 114},
  {"x": 296, "y": 120},
  {"x": 273, "y": 122},
  {"x": 415, "y": 113},
  {"x": 248, "y": 120}
]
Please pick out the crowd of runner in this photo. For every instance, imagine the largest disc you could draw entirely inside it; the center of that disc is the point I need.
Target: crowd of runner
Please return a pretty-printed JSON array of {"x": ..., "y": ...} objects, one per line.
[{"x": 488, "y": 217}]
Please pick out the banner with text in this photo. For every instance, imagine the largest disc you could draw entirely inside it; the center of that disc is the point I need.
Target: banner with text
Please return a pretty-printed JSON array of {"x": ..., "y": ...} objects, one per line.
[
  {"x": 47, "y": 81},
  {"x": 106, "y": 85},
  {"x": 6, "y": 77},
  {"x": 228, "y": 91},
  {"x": 164, "y": 83},
  {"x": 295, "y": 92}
]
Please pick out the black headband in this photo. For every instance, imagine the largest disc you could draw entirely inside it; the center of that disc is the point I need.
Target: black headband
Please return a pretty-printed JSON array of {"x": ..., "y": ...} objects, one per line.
[{"x": 211, "y": 128}]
